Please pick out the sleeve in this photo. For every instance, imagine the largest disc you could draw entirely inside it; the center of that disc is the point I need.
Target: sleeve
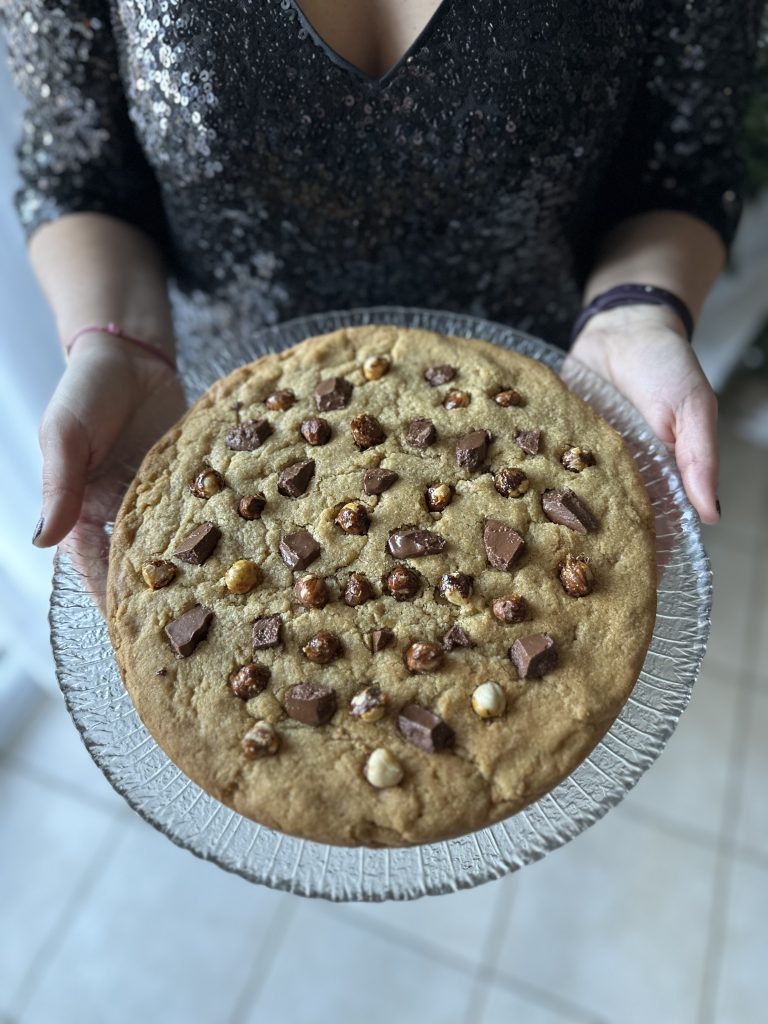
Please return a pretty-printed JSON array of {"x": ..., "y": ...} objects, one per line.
[
  {"x": 77, "y": 151},
  {"x": 681, "y": 147}
]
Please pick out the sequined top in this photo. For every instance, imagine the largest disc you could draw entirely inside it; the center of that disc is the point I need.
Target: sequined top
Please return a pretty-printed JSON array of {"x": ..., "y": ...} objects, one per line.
[{"x": 478, "y": 174}]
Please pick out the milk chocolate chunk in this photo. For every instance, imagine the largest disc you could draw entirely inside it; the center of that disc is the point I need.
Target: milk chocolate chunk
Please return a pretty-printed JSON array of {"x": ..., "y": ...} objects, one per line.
[
  {"x": 456, "y": 637},
  {"x": 198, "y": 544},
  {"x": 310, "y": 703},
  {"x": 299, "y": 549},
  {"x": 437, "y": 375},
  {"x": 186, "y": 632},
  {"x": 502, "y": 544},
  {"x": 332, "y": 393},
  {"x": 381, "y": 639},
  {"x": 421, "y": 433},
  {"x": 376, "y": 481},
  {"x": 528, "y": 441},
  {"x": 294, "y": 480},
  {"x": 412, "y": 542},
  {"x": 533, "y": 655},
  {"x": 567, "y": 509},
  {"x": 472, "y": 449},
  {"x": 266, "y": 632},
  {"x": 424, "y": 729},
  {"x": 248, "y": 436}
]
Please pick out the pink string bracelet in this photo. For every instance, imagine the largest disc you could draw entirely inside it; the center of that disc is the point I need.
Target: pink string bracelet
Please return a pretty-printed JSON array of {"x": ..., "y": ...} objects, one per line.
[{"x": 116, "y": 332}]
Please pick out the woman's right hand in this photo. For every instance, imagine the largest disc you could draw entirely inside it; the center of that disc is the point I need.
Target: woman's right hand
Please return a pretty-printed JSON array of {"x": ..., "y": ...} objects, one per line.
[{"x": 111, "y": 404}]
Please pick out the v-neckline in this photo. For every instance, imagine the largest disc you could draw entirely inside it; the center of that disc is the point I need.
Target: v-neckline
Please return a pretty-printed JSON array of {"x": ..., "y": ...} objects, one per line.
[{"x": 420, "y": 41}]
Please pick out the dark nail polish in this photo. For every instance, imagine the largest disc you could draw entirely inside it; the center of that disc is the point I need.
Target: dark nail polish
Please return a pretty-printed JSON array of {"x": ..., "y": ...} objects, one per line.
[
  {"x": 38, "y": 529},
  {"x": 717, "y": 506}
]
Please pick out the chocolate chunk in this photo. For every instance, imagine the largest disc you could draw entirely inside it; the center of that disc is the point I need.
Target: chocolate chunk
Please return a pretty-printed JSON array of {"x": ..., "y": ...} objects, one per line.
[
  {"x": 456, "y": 637},
  {"x": 299, "y": 549},
  {"x": 266, "y": 632},
  {"x": 186, "y": 632},
  {"x": 437, "y": 375},
  {"x": 315, "y": 431},
  {"x": 310, "y": 703},
  {"x": 198, "y": 545},
  {"x": 472, "y": 449},
  {"x": 411, "y": 542},
  {"x": 333, "y": 393},
  {"x": 424, "y": 729},
  {"x": 533, "y": 655},
  {"x": 249, "y": 436},
  {"x": 381, "y": 639},
  {"x": 502, "y": 544},
  {"x": 376, "y": 481},
  {"x": 421, "y": 433},
  {"x": 528, "y": 440},
  {"x": 567, "y": 509},
  {"x": 294, "y": 480}
]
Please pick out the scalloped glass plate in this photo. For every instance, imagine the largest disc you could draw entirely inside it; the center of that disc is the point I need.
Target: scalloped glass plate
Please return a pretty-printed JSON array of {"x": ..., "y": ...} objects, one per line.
[{"x": 165, "y": 797}]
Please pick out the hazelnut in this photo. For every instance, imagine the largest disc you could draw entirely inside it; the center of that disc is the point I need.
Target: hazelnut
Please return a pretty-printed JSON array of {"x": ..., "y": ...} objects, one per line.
[
  {"x": 359, "y": 589},
  {"x": 158, "y": 573},
  {"x": 511, "y": 483},
  {"x": 382, "y": 769},
  {"x": 488, "y": 700},
  {"x": 311, "y": 592},
  {"x": 367, "y": 432},
  {"x": 249, "y": 680},
  {"x": 280, "y": 400},
  {"x": 369, "y": 704},
  {"x": 353, "y": 518},
  {"x": 507, "y": 397},
  {"x": 261, "y": 740},
  {"x": 207, "y": 483},
  {"x": 455, "y": 587},
  {"x": 438, "y": 497},
  {"x": 375, "y": 367},
  {"x": 251, "y": 506},
  {"x": 510, "y": 609},
  {"x": 575, "y": 459},
  {"x": 323, "y": 648},
  {"x": 457, "y": 400},
  {"x": 423, "y": 656},
  {"x": 242, "y": 576},
  {"x": 576, "y": 576},
  {"x": 315, "y": 431},
  {"x": 403, "y": 583}
]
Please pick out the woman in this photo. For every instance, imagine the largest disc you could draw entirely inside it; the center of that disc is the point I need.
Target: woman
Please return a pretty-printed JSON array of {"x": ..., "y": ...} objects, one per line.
[{"x": 293, "y": 156}]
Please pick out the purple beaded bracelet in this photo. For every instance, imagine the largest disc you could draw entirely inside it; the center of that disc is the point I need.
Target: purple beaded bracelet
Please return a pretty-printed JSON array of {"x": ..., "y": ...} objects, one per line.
[{"x": 632, "y": 295}]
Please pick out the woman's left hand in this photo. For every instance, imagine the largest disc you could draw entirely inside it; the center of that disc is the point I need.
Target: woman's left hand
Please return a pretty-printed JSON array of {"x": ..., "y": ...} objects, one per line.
[{"x": 643, "y": 352}]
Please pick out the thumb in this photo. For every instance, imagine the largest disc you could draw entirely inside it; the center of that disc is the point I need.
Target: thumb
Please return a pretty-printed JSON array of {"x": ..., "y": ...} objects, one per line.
[{"x": 696, "y": 450}]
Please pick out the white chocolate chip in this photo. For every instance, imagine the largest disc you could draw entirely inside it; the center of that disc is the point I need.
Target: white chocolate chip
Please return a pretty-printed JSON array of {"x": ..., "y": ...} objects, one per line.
[
  {"x": 488, "y": 700},
  {"x": 242, "y": 576},
  {"x": 382, "y": 769}
]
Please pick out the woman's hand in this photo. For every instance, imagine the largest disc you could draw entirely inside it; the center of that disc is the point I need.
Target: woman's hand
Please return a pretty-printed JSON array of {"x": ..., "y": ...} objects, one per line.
[
  {"x": 643, "y": 352},
  {"x": 109, "y": 407}
]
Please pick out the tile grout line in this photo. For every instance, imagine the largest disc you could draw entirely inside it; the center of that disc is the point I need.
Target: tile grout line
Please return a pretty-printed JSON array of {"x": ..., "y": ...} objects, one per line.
[
  {"x": 272, "y": 941},
  {"x": 478, "y": 990}
]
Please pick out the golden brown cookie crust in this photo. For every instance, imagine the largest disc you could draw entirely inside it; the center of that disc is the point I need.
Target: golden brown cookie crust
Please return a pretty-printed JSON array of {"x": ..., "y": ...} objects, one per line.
[{"x": 314, "y": 786}]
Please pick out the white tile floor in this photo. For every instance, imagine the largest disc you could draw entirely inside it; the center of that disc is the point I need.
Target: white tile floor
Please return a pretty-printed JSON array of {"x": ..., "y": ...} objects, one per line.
[{"x": 657, "y": 914}]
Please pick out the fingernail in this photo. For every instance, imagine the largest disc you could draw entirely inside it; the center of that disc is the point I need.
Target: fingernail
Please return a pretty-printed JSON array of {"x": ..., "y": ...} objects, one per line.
[
  {"x": 38, "y": 529},
  {"x": 717, "y": 506}
]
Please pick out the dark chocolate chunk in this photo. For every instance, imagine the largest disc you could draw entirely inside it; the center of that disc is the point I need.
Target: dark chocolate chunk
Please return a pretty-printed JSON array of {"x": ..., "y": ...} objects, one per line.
[
  {"x": 315, "y": 431},
  {"x": 310, "y": 703},
  {"x": 381, "y": 639},
  {"x": 412, "y": 542},
  {"x": 332, "y": 393},
  {"x": 502, "y": 544},
  {"x": 528, "y": 441},
  {"x": 367, "y": 432},
  {"x": 299, "y": 549},
  {"x": 186, "y": 632},
  {"x": 456, "y": 637},
  {"x": 198, "y": 545},
  {"x": 376, "y": 481},
  {"x": 294, "y": 480},
  {"x": 266, "y": 632},
  {"x": 424, "y": 729},
  {"x": 533, "y": 655},
  {"x": 421, "y": 433},
  {"x": 567, "y": 509},
  {"x": 472, "y": 449},
  {"x": 248, "y": 436},
  {"x": 437, "y": 375}
]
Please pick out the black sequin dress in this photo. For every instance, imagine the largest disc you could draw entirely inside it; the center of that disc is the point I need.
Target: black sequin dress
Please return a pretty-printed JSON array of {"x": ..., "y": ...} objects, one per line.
[{"x": 477, "y": 175}]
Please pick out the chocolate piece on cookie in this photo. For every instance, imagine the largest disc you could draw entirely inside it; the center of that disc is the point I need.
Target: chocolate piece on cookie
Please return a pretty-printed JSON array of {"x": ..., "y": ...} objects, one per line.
[
  {"x": 315, "y": 431},
  {"x": 456, "y": 637},
  {"x": 198, "y": 545},
  {"x": 528, "y": 441},
  {"x": 565, "y": 508},
  {"x": 421, "y": 433},
  {"x": 332, "y": 393},
  {"x": 248, "y": 436},
  {"x": 424, "y": 729},
  {"x": 294, "y": 480},
  {"x": 310, "y": 703},
  {"x": 378, "y": 480},
  {"x": 188, "y": 630},
  {"x": 299, "y": 550},
  {"x": 437, "y": 375},
  {"x": 412, "y": 542},
  {"x": 472, "y": 449},
  {"x": 502, "y": 544},
  {"x": 266, "y": 632},
  {"x": 534, "y": 655},
  {"x": 381, "y": 639}
]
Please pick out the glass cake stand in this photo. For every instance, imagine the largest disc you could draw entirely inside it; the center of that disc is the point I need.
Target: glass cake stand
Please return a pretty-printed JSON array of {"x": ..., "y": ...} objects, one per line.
[{"x": 163, "y": 795}]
